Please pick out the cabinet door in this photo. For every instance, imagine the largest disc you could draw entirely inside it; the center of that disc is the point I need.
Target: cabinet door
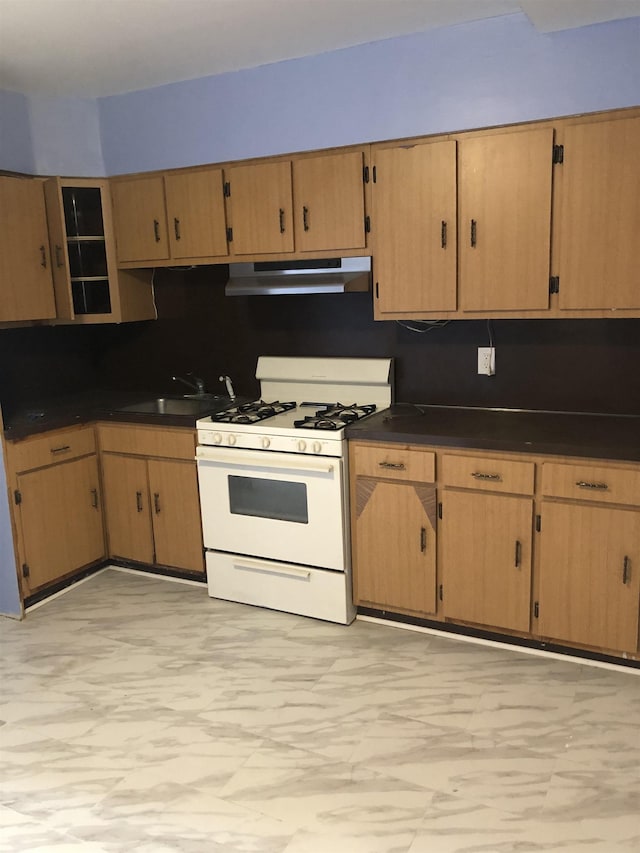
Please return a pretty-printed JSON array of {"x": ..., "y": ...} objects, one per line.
[
  {"x": 414, "y": 228},
  {"x": 126, "y": 495},
  {"x": 598, "y": 264},
  {"x": 140, "y": 219},
  {"x": 261, "y": 208},
  {"x": 504, "y": 194},
  {"x": 175, "y": 507},
  {"x": 61, "y": 520},
  {"x": 590, "y": 575},
  {"x": 395, "y": 546},
  {"x": 329, "y": 202},
  {"x": 486, "y": 553},
  {"x": 195, "y": 209},
  {"x": 26, "y": 285}
]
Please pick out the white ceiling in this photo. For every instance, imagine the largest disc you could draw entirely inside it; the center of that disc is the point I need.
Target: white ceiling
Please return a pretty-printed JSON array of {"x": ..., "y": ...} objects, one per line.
[{"x": 93, "y": 48}]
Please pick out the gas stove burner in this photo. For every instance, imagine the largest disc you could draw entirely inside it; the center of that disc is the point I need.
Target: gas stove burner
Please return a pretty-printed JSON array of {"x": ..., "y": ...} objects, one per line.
[
  {"x": 335, "y": 416},
  {"x": 251, "y": 413}
]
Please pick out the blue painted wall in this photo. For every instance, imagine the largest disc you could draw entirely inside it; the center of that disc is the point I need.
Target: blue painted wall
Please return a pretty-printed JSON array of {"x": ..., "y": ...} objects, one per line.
[
  {"x": 16, "y": 146},
  {"x": 485, "y": 73},
  {"x": 66, "y": 137}
]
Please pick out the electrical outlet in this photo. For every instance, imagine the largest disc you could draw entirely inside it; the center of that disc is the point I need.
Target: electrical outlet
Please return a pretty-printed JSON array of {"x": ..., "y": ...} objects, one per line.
[{"x": 486, "y": 361}]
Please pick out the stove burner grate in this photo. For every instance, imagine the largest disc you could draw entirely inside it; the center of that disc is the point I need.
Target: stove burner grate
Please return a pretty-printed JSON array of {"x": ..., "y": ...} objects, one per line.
[{"x": 251, "y": 413}]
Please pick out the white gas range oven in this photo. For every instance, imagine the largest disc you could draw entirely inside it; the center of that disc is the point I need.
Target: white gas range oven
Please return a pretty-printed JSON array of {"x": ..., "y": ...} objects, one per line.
[{"x": 274, "y": 492}]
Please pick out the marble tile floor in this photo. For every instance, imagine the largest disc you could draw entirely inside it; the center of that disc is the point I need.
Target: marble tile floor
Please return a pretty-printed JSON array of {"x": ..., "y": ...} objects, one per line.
[{"x": 140, "y": 715}]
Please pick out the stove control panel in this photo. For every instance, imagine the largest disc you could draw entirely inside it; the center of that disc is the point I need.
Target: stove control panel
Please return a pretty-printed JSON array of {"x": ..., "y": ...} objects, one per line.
[{"x": 267, "y": 443}]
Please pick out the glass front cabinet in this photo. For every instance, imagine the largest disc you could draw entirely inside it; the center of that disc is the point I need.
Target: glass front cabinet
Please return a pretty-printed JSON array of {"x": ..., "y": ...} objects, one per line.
[{"x": 88, "y": 286}]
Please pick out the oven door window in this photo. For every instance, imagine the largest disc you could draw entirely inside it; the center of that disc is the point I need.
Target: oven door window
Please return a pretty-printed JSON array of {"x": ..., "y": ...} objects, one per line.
[{"x": 268, "y": 499}]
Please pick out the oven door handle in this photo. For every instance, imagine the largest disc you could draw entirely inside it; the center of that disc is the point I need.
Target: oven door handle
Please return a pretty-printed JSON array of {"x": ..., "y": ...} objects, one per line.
[
  {"x": 240, "y": 459},
  {"x": 248, "y": 565}
]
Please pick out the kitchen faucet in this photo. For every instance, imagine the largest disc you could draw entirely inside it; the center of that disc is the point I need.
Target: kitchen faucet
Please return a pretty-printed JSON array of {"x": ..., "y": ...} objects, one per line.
[{"x": 194, "y": 382}]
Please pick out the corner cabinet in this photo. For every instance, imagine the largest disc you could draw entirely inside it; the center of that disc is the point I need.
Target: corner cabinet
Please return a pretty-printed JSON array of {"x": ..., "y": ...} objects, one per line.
[
  {"x": 151, "y": 495},
  {"x": 393, "y": 528},
  {"x": 57, "y": 505},
  {"x": 88, "y": 286},
  {"x": 26, "y": 284}
]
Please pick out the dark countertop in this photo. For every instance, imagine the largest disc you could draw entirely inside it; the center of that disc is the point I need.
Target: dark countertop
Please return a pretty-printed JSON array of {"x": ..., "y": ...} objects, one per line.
[
  {"x": 520, "y": 431},
  {"x": 100, "y": 405}
]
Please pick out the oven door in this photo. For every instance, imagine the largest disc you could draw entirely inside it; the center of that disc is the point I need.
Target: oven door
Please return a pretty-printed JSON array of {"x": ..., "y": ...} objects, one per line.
[{"x": 281, "y": 506}]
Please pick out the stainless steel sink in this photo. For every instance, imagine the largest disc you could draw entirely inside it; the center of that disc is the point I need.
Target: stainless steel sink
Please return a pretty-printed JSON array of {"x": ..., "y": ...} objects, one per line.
[{"x": 176, "y": 405}]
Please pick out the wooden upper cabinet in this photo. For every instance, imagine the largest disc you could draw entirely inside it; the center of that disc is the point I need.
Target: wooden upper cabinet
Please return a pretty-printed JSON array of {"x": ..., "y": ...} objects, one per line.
[
  {"x": 414, "y": 228},
  {"x": 504, "y": 203},
  {"x": 140, "y": 219},
  {"x": 598, "y": 260},
  {"x": 261, "y": 208},
  {"x": 195, "y": 211},
  {"x": 26, "y": 284},
  {"x": 329, "y": 202}
]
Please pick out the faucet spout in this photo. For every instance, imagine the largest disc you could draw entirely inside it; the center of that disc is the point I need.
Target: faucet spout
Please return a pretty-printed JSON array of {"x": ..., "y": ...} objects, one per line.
[{"x": 194, "y": 382}]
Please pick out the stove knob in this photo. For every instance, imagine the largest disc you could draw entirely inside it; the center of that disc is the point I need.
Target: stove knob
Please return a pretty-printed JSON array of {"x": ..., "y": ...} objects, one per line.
[
  {"x": 266, "y": 442},
  {"x": 217, "y": 438},
  {"x": 317, "y": 447},
  {"x": 302, "y": 446},
  {"x": 231, "y": 440}
]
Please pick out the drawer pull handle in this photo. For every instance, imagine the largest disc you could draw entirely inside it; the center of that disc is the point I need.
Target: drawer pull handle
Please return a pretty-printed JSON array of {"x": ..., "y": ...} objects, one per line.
[
  {"x": 62, "y": 449},
  {"x": 139, "y": 501},
  {"x": 94, "y": 498},
  {"x": 443, "y": 234},
  {"x": 601, "y": 487},
  {"x": 282, "y": 571},
  {"x": 43, "y": 257},
  {"x": 518, "y": 554},
  {"x": 480, "y": 475},
  {"x": 156, "y": 502},
  {"x": 626, "y": 570},
  {"x": 156, "y": 230},
  {"x": 281, "y": 214},
  {"x": 474, "y": 233},
  {"x": 423, "y": 539},
  {"x": 394, "y": 466},
  {"x": 176, "y": 227},
  {"x": 305, "y": 218}
]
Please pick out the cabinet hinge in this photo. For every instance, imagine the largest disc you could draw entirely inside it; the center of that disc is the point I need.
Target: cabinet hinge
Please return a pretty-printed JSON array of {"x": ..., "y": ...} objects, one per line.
[
  {"x": 375, "y": 175},
  {"x": 554, "y": 284},
  {"x": 367, "y": 224},
  {"x": 229, "y": 235},
  {"x": 538, "y": 523},
  {"x": 226, "y": 189},
  {"x": 365, "y": 174},
  {"x": 440, "y": 593},
  {"x": 536, "y": 610},
  {"x": 25, "y": 570},
  {"x": 17, "y": 496},
  {"x": 440, "y": 509},
  {"x": 558, "y": 153}
]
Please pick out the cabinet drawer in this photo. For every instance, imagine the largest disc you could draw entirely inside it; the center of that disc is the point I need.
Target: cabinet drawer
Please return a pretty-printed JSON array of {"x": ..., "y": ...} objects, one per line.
[
  {"x": 395, "y": 463},
  {"x": 488, "y": 472},
  {"x": 51, "y": 447},
  {"x": 591, "y": 483},
  {"x": 148, "y": 441}
]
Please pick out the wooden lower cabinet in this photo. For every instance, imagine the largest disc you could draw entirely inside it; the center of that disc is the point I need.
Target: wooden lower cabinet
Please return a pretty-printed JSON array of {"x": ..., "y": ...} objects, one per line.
[
  {"x": 486, "y": 559},
  {"x": 590, "y": 575},
  {"x": 153, "y": 511},
  {"x": 60, "y": 517},
  {"x": 394, "y": 528}
]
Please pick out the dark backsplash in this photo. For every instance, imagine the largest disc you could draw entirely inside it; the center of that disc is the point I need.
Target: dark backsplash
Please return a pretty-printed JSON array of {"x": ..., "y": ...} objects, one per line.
[{"x": 568, "y": 365}]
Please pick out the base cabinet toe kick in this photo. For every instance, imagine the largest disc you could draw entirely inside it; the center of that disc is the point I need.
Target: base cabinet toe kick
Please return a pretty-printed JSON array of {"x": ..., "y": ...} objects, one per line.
[{"x": 543, "y": 548}]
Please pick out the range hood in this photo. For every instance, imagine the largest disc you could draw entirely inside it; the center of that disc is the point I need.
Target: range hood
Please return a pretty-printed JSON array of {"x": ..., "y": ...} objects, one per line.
[{"x": 276, "y": 278}]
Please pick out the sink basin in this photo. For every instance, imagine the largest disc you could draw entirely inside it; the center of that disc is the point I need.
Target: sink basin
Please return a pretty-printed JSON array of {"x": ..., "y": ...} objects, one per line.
[{"x": 176, "y": 405}]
